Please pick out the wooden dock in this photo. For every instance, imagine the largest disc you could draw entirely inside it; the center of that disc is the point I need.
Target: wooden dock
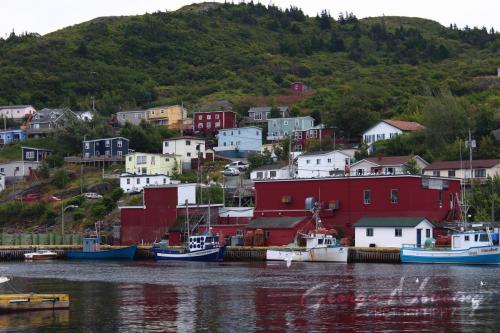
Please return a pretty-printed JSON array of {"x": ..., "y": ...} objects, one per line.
[{"x": 373, "y": 255}]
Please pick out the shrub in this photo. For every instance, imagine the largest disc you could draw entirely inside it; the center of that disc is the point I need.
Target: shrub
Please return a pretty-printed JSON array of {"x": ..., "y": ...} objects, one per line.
[
  {"x": 60, "y": 178},
  {"x": 116, "y": 194},
  {"x": 98, "y": 211}
]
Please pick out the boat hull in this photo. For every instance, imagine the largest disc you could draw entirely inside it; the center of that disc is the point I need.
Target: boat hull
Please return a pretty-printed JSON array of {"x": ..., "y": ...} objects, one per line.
[
  {"x": 209, "y": 255},
  {"x": 484, "y": 255},
  {"x": 325, "y": 254},
  {"x": 31, "y": 256},
  {"x": 126, "y": 253}
]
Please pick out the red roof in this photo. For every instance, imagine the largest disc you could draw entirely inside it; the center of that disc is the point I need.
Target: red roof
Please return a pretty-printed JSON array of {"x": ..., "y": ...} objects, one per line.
[
  {"x": 389, "y": 160},
  {"x": 445, "y": 165},
  {"x": 405, "y": 125}
]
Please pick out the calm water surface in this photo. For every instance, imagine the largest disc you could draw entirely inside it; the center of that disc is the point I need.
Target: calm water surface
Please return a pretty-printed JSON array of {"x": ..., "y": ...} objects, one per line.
[{"x": 263, "y": 297}]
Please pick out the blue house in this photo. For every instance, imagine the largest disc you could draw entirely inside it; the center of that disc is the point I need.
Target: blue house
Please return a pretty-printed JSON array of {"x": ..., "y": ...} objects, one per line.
[
  {"x": 35, "y": 154},
  {"x": 239, "y": 142},
  {"x": 11, "y": 136},
  {"x": 108, "y": 148},
  {"x": 279, "y": 128}
]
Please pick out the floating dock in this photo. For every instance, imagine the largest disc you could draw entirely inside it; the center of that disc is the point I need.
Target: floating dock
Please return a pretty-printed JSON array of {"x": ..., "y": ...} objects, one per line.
[{"x": 32, "y": 302}]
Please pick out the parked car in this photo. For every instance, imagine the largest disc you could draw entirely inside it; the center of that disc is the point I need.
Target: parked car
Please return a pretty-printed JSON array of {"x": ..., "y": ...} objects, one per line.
[
  {"x": 237, "y": 165},
  {"x": 92, "y": 195},
  {"x": 231, "y": 172},
  {"x": 52, "y": 198},
  {"x": 30, "y": 197}
]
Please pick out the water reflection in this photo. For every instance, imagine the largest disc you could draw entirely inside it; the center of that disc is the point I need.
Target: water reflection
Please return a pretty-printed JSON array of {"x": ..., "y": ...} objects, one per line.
[{"x": 239, "y": 297}]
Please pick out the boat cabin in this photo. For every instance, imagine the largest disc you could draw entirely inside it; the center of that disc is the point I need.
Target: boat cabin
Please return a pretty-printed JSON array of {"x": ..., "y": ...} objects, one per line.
[
  {"x": 203, "y": 242},
  {"x": 90, "y": 244},
  {"x": 470, "y": 239},
  {"x": 320, "y": 240}
]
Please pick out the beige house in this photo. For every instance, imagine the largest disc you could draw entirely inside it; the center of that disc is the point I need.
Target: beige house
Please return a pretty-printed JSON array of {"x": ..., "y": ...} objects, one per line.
[
  {"x": 173, "y": 117},
  {"x": 380, "y": 165},
  {"x": 481, "y": 169},
  {"x": 153, "y": 164}
]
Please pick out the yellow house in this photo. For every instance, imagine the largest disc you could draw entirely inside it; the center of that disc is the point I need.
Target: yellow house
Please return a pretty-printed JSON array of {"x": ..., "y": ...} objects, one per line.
[
  {"x": 153, "y": 164},
  {"x": 170, "y": 116}
]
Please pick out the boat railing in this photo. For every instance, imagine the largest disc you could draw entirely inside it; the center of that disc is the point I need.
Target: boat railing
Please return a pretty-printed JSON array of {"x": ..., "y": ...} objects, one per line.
[{"x": 423, "y": 247}]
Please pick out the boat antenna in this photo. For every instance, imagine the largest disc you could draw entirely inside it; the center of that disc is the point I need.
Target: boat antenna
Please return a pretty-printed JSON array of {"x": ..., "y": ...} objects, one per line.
[{"x": 187, "y": 223}]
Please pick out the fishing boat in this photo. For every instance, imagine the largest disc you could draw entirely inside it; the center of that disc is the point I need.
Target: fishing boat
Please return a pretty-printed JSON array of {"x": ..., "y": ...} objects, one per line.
[
  {"x": 319, "y": 246},
  {"x": 478, "y": 247},
  {"x": 40, "y": 255},
  {"x": 200, "y": 248},
  {"x": 92, "y": 250}
]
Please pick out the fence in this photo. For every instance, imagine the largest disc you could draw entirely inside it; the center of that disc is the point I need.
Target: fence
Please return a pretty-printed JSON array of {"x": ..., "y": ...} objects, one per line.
[{"x": 40, "y": 239}]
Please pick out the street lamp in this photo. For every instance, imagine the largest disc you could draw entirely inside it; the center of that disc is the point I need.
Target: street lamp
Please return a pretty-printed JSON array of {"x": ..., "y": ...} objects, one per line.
[{"x": 63, "y": 209}]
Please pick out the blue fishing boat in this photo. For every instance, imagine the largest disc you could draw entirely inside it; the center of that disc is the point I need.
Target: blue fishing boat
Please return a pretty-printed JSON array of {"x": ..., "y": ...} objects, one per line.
[
  {"x": 199, "y": 248},
  {"x": 92, "y": 251},
  {"x": 479, "y": 247}
]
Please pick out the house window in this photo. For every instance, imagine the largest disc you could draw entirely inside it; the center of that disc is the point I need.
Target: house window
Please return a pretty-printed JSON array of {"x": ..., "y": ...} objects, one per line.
[
  {"x": 30, "y": 154},
  {"x": 164, "y": 180},
  {"x": 216, "y": 116},
  {"x": 232, "y": 143},
  {"x": 329, "y": 160},
  {"x": 298, "y": 135},
  {"x": 107, "y": 143},
  {"x": 141, "y": 159},
  {"x": 479, "y": 172},
  {"x": 436, "y": 173},
  {"x": 217, "y": 124},
  {"x": 398, "y": 232},
  {"x": 257, "y": 116},
  {"x": 440, "y": 199},
  {"x": 119, "y": 153},
  {"x": 369, "y": 232},
  {"x": 260, "y": 175},
  {"x": 138, "y": 180},
  {"x": 394, "y": 196},
  {"x": 298, "y": 147},
  {"x": 128, "y": 181},
  {"x": 225, "y": 144},
  {"x": 200, "y": 117},
  {"x": 318, "y": 161},
  {"x": 367, "y": 197},
  {"x": 389, "y": 171},
  {"x": 308, "y": 161},
  {"x": 224, "y": 133},
  {"x": 119, "y": 144},
  {"x": 147, "y": 180},
  {"x": 200, "y": 125},
  {"x": 285, "y": 123},
  {"x": 165, "y": 143},
  {"x": 257, "y": 133},
  {"x": 360, "y": 172},
  {"x": 428, "y": 233},
  {"x": 209, "y": 117},
  {"x": 188, "y": 154},
  {"x": 451, "y": 173},
  {"x": 466, "y": 238},
  {"x": 209, "y": 125},
  {"x": 87, "y": 145},
  {"x": 272, "y": 173},
  {"x": 2, "y": 170},
  {"x": 188, "y": 142}
]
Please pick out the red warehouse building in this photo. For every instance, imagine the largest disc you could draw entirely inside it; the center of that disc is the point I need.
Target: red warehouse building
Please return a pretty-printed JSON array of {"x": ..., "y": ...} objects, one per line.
[
  {"x": 345, "y": 200},
  {"x": 209, "y": 123}
]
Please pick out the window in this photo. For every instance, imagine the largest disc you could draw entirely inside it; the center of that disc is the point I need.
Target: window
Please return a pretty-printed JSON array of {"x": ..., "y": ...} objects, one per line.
[
  {"x": 224, "y": 133},
  {"x": 217, "y": 124},
  {"x": 87, "y": 145},
  {"x": 119, "y": 144},
  {"x": 209, "y": 117},
  {"x": 451, "y": 173},
  {"x": 369, "y": 232},
  {"x": 141, "y": 159},
  {"x": 308, "y": 161},
  {"x": 188, "y": 142},
  {"x": 119, "y": 153},
  {"x": 436, "y": 173},
  {"x": 123, "y": 116},
  {"x": 440, "y": 199},
  {"x": 107, "y": 143},
  {"x": 200, "y": 125},
  {"x": 138, "y": 180},
  {"x": 209, "y": 125},
  {"x": 147, "y": 180},
  {"x": 225, "y": 144},
  {"x": 272, "y": 173},
  {"x": 466, "y": 238},
  {"x": 30, "y": 154},
  {"x": 394, "y": 196},
  {"x": 389, "y": 171},
  {"x": 318, "y": 161},
  {"x": 367, "y": 197},
  {"x": 164, "y": 180},
  {"x": 144, "y": 170},
  {"x": 260, "y": 175},
  {"x": 298, "y": 135},
  {"x": 128, "y": 181},
  {"x": 428, "y": 233},
  {"x": 188, "y": 154},
  {"x": 216, "y": 116},
  {"x": 479, "y": 172},
  {"x": 285, "y": 123},
  {"x": 200, "y": 117},
  {"x": 398, "y": 232},
  {"x": 257, "y": 116},
  {"x": 257, "y": 133},
  {"x": 232, "y": 143},
  {"x": 298, "y": 147},
  {"x": 165, "y": 143},
  {"x": 17, "y": 168},
  {"x": 329, "y": 160},
  {"x": 2, "y": 170}
]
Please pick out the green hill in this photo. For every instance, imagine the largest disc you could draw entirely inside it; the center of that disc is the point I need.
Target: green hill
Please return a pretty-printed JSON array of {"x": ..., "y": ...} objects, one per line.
[{"x": 386, "y": 66}]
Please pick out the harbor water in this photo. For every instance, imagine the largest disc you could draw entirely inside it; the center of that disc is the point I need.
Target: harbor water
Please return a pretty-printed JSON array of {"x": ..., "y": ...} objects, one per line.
[{"x": 256, "y": 297}]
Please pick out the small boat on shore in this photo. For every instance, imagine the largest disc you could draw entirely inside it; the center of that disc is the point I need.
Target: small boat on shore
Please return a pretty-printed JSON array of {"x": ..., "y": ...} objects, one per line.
[
  {"x": 40, "y": 255},
  {"x": 91, "y": 251},
  {"x": 32, "y": 302},
  {"x": 473, "y": 247},
  {"x": 200, "y": 248}
]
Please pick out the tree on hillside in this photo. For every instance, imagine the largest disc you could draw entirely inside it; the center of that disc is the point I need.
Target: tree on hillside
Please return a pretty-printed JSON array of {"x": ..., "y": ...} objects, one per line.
[
  {"x": 275, "y": 112},
  {"x": 412, "y": 166}
]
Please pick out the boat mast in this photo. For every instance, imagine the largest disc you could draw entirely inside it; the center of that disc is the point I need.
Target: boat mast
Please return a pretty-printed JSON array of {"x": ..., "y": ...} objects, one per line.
[{"x": 187, "y": 221}]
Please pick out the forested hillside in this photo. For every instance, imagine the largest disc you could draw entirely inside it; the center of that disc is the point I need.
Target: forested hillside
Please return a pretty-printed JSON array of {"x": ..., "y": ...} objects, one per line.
[{"x": 360, "y": 70}]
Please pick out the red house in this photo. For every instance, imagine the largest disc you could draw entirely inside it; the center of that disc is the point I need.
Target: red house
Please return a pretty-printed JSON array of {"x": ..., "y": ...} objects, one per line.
[
  {"x": 303, "y": 138},
  {"x": 298, "y": 87},
  {"x": 347, "y": 199},
  {"x": 210, "y": 122}
]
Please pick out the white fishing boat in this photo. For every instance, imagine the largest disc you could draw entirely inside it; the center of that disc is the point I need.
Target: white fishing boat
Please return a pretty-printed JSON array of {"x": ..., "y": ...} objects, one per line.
[
  {"x": 40, "y": 255},
  {"x": 319, "y": 246}
]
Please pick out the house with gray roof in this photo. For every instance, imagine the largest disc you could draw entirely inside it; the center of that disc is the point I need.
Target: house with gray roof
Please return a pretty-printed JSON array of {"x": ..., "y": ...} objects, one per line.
[
  {"x": 47, "y": 120},
  {"x": 262, "y": 113},
  {"x": 133, "y": 117}
]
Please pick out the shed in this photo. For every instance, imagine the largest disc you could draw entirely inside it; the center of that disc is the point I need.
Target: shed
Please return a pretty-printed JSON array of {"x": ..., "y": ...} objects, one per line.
[{"x": 392, "y": 231}]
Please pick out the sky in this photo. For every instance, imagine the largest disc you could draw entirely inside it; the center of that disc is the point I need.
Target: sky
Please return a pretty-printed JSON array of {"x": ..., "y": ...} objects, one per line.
[{"x": 44, "y": 16}]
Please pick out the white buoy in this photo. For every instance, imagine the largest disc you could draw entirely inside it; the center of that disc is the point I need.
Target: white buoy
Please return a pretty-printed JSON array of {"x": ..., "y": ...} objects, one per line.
[{"x": 417, "y": 280}]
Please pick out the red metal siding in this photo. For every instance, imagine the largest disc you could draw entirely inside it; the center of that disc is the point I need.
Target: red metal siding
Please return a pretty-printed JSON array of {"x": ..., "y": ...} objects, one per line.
[
  {"x": 413, "y": 200},
  {"x": 227, "y": 119}
]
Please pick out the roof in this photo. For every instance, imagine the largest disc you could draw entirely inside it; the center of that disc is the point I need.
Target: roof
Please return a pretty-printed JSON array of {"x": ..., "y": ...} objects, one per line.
[
  {"x": 14, "y": 106},
  {"x": 271, "y": 167},
  {"x": 184, "y": 137},
  {"x": 133, "y": 111},
  {"x": 44, "y": 149},
  {"x": 128, "y": 174},
  {"x": 154, "y": 154},
  {"x": 444, "y": 165},
  {"x": 404, "y": 125},
  {"x": 239, "y": 128},
  {"x": 275, "y": 222},
  {"x": 404, "y": 222},
  {"x": 267, "y": 108},
  {"x": 116, "y": 137},
  {"x": 322, "y": 152},
  {"x": 386, "y": 160}
]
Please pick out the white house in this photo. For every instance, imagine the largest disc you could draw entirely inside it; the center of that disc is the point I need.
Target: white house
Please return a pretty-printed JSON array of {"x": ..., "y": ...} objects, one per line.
[
  {"x": 186, "y": 146},
  {"x": 16, "y": 112},
  {"x": 17, "y": 170},
  {"x": 390, "y": 165},
  {"x": 272, "y": 171},
  {"x": 84, "y": 115},
  {"x": 322, "y": 164},
  {"x": 2, "y": 182},
  {"x": 239, "y": 142},
  {"x": 481, "y": 169},
  {"x": 132, "y": 183},
  {"x": 388, "y": 129},
  {"x": 392, "y": 231}
]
